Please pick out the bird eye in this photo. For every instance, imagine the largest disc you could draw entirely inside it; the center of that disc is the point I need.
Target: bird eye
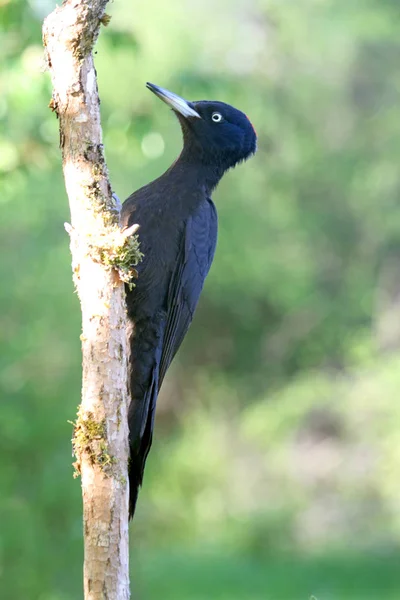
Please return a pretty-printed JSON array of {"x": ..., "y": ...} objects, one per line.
[{"x": 216, "y": 117}]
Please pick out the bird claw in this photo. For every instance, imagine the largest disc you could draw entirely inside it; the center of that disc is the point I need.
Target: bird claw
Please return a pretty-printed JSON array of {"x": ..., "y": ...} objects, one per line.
[
  {"x": 130, "y": 230},
  {"x": 117, "y": 202}
]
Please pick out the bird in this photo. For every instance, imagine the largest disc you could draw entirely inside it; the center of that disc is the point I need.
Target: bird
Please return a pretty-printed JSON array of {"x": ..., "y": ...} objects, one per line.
[{"x": 178, "y": 236}]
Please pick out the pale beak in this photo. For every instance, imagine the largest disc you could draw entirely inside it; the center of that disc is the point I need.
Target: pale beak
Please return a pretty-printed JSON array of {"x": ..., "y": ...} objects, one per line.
[{"x": 175, "y": 102}]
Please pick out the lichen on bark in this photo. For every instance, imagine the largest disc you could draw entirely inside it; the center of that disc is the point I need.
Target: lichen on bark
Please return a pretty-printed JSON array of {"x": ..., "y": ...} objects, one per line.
[{"x": 90, "y": 438}]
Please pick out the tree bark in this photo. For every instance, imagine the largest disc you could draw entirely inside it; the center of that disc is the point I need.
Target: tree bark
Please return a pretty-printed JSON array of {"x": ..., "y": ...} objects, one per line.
[{"x": 100, "y": 251}]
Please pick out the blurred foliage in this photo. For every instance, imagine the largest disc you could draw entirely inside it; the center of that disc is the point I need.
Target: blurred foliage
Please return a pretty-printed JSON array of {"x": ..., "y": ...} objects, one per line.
[{"x": 277, "y": 442}]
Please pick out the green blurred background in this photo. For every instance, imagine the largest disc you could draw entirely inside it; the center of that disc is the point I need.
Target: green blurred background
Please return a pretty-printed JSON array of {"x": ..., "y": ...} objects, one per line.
[{"x": 274, "y": 473}]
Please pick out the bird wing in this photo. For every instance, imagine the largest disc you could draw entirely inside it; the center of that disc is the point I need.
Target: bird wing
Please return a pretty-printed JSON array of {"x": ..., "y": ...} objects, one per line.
[
  {"x": 196, "y": 252},
  {"x": 194, "y": 261}
]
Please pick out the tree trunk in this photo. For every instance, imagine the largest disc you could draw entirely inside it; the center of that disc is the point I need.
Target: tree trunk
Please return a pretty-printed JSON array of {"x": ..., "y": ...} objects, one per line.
[{"x": 102, "y": 258}]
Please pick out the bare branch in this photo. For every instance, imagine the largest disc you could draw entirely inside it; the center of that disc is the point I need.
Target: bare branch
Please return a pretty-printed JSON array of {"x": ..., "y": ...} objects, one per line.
[{"x": 99, "y": 250}]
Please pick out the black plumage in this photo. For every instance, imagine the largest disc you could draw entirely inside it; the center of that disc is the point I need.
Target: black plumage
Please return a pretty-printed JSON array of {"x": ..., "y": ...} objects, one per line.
[{"x": 178, "y": 235}]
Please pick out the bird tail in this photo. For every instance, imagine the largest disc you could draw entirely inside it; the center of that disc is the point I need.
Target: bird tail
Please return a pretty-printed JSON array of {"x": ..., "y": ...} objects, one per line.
[
  {"x": 140, "y": 442},
  {"x": 137, "y": 463},
  {"x": 135, "y": 481}
]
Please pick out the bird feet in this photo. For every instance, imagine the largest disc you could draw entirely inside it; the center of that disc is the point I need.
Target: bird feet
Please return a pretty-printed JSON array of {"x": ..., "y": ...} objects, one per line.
[{"x": 117, "y": 203}]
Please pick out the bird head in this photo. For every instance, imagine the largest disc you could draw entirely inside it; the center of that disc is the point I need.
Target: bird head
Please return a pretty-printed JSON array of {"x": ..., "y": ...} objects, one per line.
[{"x": 214, "y": 133}]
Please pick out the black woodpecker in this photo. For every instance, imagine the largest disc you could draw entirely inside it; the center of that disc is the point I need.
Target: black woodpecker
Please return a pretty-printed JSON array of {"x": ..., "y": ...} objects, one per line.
[{"x": 178, "y": 235}]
